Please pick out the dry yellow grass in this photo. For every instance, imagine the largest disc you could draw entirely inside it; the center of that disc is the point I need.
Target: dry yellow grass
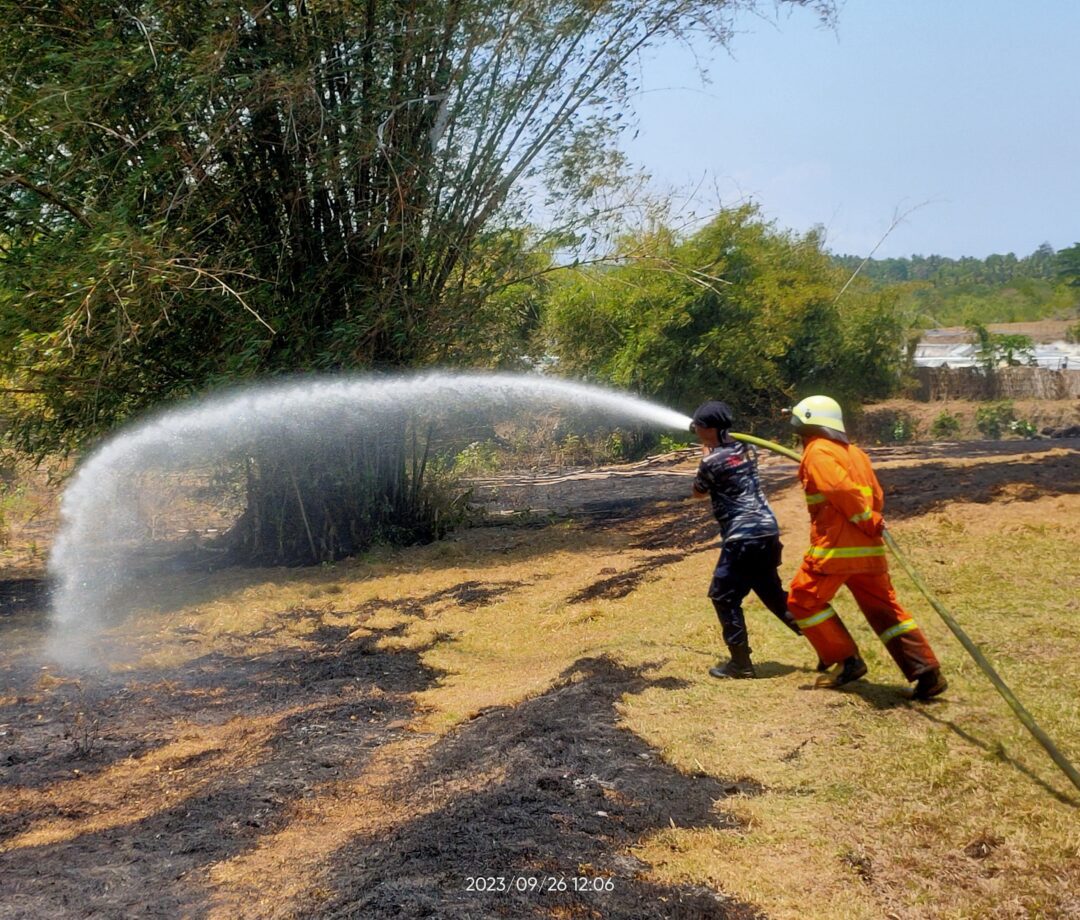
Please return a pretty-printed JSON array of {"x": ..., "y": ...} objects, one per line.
[{"x": 855, "y": 804}]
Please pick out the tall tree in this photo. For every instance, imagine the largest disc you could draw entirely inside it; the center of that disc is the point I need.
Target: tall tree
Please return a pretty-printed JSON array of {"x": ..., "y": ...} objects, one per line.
[
  {"x": 739, "y": 310},
  {"x": 195, "y": 191},
  {"x": 1068, "y": 265}
]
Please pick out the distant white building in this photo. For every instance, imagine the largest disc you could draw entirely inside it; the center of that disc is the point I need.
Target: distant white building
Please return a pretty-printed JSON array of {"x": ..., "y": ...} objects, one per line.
[
  {"x": 945, "y": 354},
  {"x": 1058, "y": 356}
]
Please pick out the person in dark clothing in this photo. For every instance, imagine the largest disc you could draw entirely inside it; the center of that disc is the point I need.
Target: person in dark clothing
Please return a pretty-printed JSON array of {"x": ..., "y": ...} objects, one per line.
[{"x": 751, "y": 549}]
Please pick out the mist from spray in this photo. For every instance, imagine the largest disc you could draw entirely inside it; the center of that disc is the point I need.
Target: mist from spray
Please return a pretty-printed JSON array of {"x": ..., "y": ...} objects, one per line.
[{"x": 100, "y": 550}]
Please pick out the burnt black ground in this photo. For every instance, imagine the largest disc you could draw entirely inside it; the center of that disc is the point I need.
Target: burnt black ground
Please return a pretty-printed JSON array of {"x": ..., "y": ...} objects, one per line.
[
  {"x": 578, "y": 790},
  {"x": 561, "y": 757}
]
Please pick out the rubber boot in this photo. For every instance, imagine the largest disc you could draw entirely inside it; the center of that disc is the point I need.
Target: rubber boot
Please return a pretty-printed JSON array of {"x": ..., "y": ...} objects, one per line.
[
  {"x": 739, "y": 666},
  {"x": 929, "y": 684},
  {"x": 848, "y": 670}
]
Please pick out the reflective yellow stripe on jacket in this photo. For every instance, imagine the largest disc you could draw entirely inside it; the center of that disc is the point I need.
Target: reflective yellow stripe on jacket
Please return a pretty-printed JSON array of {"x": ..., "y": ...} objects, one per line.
[
  {"x": 844, "y": 552},
  {"x": 868, "y": 512},
  {"x": 843, "y": 496}
]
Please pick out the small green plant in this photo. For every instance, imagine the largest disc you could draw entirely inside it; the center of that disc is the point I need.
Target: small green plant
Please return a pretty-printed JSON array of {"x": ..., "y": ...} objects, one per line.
[
  {"x": 1072, "y": 334},
  {"x": 477, "y": 457},
  {"x": 615, "y": 447},
  {"x": 572, "y": 449},
  {"x": 1023, "y": 428},
  {"x": 945, "y": 426},
  {"x": 668, "y": 444},
  {"x": 904, "y": 428},
  {"x": 994, "y": 418}
]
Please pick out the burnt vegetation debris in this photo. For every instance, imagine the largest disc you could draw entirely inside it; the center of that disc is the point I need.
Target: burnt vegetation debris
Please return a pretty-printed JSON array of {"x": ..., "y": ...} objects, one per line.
[
  {"x": 337, "y": 703},
  {"x": 574, "y": 791},
  {"x": 911, "y": 491},
  {"x": 21, "y": 594}
]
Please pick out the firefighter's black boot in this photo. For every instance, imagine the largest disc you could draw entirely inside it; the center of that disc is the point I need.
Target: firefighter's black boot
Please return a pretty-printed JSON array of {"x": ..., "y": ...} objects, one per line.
[
  {"x": 848, "y": 670},
  {"x": 929, "y": 684},
  {"x": 739, "y": 666}
]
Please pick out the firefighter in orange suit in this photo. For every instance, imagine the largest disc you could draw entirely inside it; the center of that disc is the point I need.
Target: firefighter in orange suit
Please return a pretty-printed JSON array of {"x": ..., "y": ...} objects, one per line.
[{"x": 845, "y": 501}]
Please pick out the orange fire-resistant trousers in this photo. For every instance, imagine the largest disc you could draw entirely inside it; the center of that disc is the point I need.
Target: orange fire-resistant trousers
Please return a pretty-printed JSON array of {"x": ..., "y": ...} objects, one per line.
[{"x": 809, "y": 598}]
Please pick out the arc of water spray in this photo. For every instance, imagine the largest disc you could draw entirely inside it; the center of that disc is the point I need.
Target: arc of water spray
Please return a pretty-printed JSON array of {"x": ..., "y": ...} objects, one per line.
[
  {"x": 965, "y": 640},
  {"x": 94, "y": 553}
]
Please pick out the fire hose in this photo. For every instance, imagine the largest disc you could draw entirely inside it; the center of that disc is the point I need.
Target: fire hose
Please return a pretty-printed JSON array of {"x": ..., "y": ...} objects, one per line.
[{"x": 965, "y": 640}]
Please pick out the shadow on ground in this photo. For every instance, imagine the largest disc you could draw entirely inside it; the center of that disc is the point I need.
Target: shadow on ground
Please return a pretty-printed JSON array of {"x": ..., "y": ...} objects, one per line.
[
  {"x": 124, "y": 813},
  {"x": 911, "y": 491},
  {"x": 576, "y": 792},
  {"x": 997, "y": 750}
]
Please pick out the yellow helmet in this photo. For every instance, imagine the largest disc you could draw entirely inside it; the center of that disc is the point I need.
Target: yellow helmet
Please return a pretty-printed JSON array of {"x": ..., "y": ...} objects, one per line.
[{"x": 820, "y": 412}]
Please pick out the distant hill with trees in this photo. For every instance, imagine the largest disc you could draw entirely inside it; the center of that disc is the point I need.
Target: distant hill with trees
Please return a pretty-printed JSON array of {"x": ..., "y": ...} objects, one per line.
[{"x": 996, "y": 289}]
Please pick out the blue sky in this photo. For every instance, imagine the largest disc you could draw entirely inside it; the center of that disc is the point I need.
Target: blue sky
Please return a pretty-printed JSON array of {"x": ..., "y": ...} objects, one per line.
[{"x": 971, "y": 106}]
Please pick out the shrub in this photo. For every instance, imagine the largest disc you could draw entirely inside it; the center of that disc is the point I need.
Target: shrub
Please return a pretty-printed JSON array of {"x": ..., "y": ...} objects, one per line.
[
  {"x": 945, "y": 426},
  {"x": 477, "y": 457},
  {"x": 1023, "y": 428},
  {"x": 668, "y": 444},
  {"x": 882, "y": 426},
  {"x": 573, "y": 450},
  {"x": 904, "y": 428},
  {"x": 993, "y": 418},
  {"x": 737, "y": 308},
  {"x": 615, "y": 446}
]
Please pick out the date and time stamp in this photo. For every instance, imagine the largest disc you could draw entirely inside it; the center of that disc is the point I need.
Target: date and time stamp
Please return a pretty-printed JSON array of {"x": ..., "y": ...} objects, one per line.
[{"x": 538, "y": 884}]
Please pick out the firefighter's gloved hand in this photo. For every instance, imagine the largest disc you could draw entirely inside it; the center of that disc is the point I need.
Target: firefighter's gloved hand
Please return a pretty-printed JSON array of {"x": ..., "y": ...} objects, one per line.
[{"x": 874, "y": 525}]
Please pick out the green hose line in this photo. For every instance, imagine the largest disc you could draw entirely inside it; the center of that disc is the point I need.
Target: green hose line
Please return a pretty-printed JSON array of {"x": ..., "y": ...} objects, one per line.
[
  {"x": 972, "y": 649},
  {"x": 771, "y": 445}
]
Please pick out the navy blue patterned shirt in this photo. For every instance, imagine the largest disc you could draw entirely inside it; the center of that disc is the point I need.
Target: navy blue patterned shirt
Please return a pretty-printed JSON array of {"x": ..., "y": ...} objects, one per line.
[{"x": 729, "y": 475}]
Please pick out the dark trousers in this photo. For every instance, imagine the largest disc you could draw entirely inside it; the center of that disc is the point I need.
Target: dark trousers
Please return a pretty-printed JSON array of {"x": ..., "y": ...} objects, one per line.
[{"x": 745, "y": 566}]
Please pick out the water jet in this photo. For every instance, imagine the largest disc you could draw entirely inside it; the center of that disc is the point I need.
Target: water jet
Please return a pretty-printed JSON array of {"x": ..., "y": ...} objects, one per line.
[{"x": 100, "y": 560}]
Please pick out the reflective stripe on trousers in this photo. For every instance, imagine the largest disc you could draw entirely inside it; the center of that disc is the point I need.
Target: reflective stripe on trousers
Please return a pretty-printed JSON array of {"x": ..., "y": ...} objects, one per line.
[
  {"x": 898, "y": 630},
  {"x": 809, "y": 600},
  {"x": 815, "y": 619}
]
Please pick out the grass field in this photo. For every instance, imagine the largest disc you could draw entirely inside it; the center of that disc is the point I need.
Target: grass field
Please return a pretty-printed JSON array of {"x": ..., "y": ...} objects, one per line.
[{"x": 365, "y": 738}]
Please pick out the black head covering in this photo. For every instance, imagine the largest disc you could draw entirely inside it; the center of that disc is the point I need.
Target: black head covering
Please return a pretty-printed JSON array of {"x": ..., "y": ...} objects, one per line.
[{"x": 713, "y": 414}]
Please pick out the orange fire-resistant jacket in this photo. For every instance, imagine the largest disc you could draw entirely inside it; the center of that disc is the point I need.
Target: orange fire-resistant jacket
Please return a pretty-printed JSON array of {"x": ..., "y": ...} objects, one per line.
[{"x": 845, "y": 501}]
